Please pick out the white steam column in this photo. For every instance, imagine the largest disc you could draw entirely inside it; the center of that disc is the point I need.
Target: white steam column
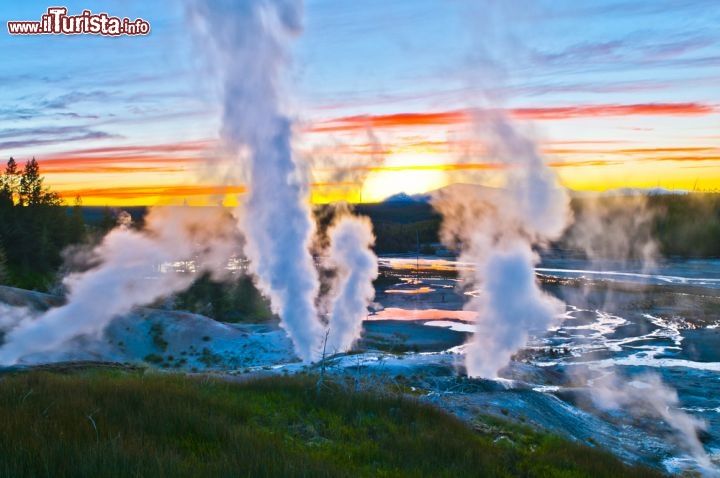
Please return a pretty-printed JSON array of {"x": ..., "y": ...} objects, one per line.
[
  {"x": 356, "y": 267},
  {"x": 250, "y": 39},
  {"x": 497, "y": 230}
]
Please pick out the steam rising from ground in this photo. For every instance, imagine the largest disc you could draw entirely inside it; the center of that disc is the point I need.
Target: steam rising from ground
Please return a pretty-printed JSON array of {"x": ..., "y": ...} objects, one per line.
[
  {"x": 510, "y": 307},
  {"x": 356, "y": 267},
  {"x": 647, "y": 396},
  {"x": 615, "y": 228},
  {"x": 618, "y": 229},
  {"x": 251, "y": 39},
  {"x": 125, "y": 277},
  {"x": 496, "y": 229},
  {"x": 11, "y": 316}
]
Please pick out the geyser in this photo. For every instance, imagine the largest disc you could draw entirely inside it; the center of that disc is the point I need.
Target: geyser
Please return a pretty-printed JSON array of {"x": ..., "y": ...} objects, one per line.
[
  {"x": 251, "y": 40},
  {"x": 124, "y": 277},
  {"x": 496, "y": 229},
  {"x": 356, "y": 267}
]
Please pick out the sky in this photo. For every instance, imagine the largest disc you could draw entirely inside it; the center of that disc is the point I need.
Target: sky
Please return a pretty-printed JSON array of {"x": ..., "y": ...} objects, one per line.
[{"x": 385, "y": 97}]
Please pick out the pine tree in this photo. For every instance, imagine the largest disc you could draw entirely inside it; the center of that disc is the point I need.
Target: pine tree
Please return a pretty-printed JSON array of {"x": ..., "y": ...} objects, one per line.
[
  {"x": 31, "y": 190},
  {"x": 34, "y": 226},
  {"x": 9, "y": 184}
]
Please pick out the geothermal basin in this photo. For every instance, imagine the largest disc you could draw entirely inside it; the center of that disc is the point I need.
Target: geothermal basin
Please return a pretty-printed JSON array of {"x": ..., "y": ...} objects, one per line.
[{"x": 620, "y": 319}]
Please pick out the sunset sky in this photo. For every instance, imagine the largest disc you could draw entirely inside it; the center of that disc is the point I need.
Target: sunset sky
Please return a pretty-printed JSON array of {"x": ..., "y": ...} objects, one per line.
[{"x": 616, "y": 93}]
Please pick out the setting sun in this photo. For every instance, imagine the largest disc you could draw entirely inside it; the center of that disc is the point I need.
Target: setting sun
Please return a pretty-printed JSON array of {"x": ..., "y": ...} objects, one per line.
[{"x": 402, "y": 173}]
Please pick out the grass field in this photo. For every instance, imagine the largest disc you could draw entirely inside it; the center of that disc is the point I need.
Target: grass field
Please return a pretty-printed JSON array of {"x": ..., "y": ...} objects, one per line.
[{"x": 117, "y": 423}]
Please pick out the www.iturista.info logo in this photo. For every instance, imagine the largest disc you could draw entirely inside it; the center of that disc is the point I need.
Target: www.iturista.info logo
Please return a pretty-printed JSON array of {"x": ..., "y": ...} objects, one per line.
[{"x": 57, "y": 22}]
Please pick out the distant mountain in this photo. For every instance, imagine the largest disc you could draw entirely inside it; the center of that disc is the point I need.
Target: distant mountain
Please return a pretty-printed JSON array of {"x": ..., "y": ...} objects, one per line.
[{"x": 406, "y": 198}]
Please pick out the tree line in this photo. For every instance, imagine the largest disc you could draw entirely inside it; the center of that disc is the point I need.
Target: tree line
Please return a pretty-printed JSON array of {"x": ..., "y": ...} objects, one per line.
[{"x": 35, "y": 227}]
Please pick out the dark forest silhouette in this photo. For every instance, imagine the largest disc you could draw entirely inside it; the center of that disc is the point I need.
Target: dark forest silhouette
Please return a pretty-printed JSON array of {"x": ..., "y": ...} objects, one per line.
[{"x": 35, "y": 227}]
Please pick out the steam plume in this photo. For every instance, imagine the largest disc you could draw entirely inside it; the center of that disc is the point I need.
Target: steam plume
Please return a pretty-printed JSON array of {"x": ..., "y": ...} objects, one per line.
[
  {"x": 356, "y": 268},
  {"x": 496, "y": 230},
  {"x": 251, "y": 40},
  {"x": 510, "y": 307},
  {"x": 11, "y": 316},
  {"x": 125, "y": 278},
  {"x": 648, "y": 396},
  {"x": 616, "y": 228},
  {"x": 617, "y": 231}
]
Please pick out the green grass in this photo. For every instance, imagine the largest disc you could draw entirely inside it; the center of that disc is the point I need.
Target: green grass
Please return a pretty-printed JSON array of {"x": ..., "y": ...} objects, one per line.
[{"x": 112, "y": 423}]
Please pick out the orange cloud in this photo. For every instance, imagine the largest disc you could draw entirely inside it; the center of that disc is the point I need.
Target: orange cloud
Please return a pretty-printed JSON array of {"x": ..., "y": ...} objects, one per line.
[
  {"x": 113, "y": 169},
  {"x": 172, "y": 157},
  {"x": 164, "y": 191},
  {"x": 356, "y": 123},
  {"x": 392, "y": 120},
  {"x": 353, "y": 123},
  {"x": 650, "y": 153},
  {"x": 643, "y": 109},
  {"x": 122, "y": 163},
  {"x": 152, "y": 191}
]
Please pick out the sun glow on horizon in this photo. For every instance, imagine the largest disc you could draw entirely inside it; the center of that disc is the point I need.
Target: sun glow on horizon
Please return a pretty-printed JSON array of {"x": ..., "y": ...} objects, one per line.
[
  {"x": 401, "y": 174},
  {"x": 362, "y": 168}
]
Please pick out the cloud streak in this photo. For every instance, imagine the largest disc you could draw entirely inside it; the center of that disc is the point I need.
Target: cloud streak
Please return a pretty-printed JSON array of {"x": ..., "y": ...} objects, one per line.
[
  {"x": 74, "y": 97},
  {"x": 86, "y": 136},
  {"x": 123, "y": 193},
  {"x": 187, "y": 146},
  {"x": 455, "y": 117}
]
